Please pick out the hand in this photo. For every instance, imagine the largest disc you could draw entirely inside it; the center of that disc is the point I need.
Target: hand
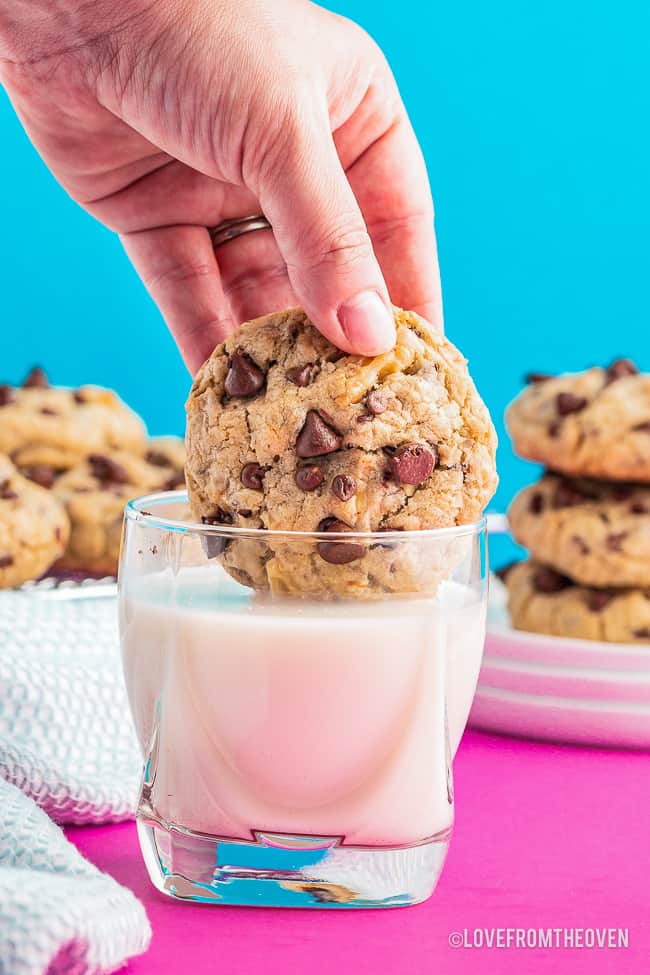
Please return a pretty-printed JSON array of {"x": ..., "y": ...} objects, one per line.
[{"x": 163, "y": 118}]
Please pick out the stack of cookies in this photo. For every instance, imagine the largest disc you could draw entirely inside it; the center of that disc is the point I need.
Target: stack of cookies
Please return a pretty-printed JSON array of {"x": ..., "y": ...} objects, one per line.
[
  {"x": 586, "y": 523},
  {"x": 69, "y": 462}
]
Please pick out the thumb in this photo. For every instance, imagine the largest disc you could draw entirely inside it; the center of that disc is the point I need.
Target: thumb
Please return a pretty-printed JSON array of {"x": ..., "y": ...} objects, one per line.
[{"x": 323, "y": 239}]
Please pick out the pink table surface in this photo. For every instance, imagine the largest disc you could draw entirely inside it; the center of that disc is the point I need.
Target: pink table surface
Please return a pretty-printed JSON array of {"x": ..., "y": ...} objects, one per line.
[{"x": 545, "y": 836}]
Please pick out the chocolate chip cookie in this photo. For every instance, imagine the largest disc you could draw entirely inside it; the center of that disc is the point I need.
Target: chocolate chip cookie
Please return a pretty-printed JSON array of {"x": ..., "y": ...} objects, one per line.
[
  {"x": 597, "y": 532},
  {"x": 94, "y": 494},
  {"x": 590, "y": 424},
  {"x": 168, "y": 452},
  {"x": 545, "y": 601},
  {"x": 34, "y": 528},
  {"x": 56, "y": 427},
  {"x": 285, "y": 432}
]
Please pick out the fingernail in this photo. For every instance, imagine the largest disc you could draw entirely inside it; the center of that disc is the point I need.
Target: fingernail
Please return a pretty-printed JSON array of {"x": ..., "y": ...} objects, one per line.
[{"x": 367, "y": 324}]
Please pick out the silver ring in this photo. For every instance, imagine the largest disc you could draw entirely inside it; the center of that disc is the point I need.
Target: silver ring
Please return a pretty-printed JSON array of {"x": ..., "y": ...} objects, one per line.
[{"x": 229, "y": 229}]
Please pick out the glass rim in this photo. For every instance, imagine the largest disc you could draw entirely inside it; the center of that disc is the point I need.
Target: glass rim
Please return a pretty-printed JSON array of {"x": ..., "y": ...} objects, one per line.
[{"x": 136, "y": 510}]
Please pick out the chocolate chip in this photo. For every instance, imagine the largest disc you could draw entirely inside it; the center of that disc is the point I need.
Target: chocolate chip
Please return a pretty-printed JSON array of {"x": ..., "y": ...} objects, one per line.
[
  {"x": 567, "y": 403},
  {"x": 328, "y": 419},
  {"x": 615, "y": 541},
  {"x": 215, "y": 545},
  {"x": 338, "y": 553},
  {"x": 536, "y": 504},
  {"x": 317, "y": 437},
  {"x": 554, "y": 430},
  {"x": 532, "y": 378},
  {"x": 41, "y": 474},
  {"x": 7, "y": 395},
  {"x": 643, "y": 633},
  {"x": 548, "y": 581},
  {"x": 567, "y": 494},
  {"x": 309, "y": 478},
  {"x": 412, "y": 463},
  {"x": 46, "y": 411},
  {"x": 505, "y": 571},
  {"x": 156, "y": 459},
  {"x": 621, "y": 492},
  {"x": 106, "y": 470},
  {"x": 243, "y": 577},
  {"x": 344, "y": 487},
  {"x": 322, "y": 893},
  {"x": 376, "y": 402},
  {"x": 243, "y": 378},
  {"x": 6, "y": 561},
  {"x": 301, "y": 375},
  {"x": 177, "y": 480},
  {"x": 642, "y": 427},
  {"x": 252, "y": 476},
  {"x": 79, "y": 398},
  {"x": 220, "y": 517},
  {"x": 638, "y": 508},
  {"x": 597, "y": 599},
  {"x": 36, "y": 379},
  {"x": 364, "y": 418},
  {"x": 57, "y": 533},
  {"x": 6, "y": 492},
  {"x": 580, "y": 544},
  {"x": 245, "y": 512},
  {"x": 621, "y": 368}
]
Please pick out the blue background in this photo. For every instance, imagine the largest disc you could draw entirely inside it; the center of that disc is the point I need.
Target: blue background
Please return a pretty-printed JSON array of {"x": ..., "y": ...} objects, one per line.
[{"x": 534, "y": 119}]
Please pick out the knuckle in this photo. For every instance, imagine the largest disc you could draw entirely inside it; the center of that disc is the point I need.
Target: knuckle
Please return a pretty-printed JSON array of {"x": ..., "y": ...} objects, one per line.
[
  {"x": 187, "y": 272},
  {"x": 403, "y": 226},
  {"x": 370, "y": 52},
  {"x": 255, "y": 279},
  {"x": 282, "y": 120},
  {"x": 369, "y": 45},
  {"x": 218, "y": 327},
  {"x": 343, "y": 245}
]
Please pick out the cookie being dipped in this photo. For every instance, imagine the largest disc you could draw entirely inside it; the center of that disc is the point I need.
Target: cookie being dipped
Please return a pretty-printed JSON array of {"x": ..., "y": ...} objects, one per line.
[{"x": 287, "y": 433}]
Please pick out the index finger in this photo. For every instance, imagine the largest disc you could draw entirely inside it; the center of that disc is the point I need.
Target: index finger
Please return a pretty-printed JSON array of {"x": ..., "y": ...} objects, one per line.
[{"x": 391, "y": 185}]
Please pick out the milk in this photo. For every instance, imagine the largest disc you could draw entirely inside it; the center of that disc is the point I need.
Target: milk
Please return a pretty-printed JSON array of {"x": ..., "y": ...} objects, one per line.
[{"x": 283, "y": 716}]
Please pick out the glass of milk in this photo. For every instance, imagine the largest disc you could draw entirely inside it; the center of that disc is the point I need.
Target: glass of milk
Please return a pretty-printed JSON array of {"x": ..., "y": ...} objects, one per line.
[{"x": 297, "y": 726}]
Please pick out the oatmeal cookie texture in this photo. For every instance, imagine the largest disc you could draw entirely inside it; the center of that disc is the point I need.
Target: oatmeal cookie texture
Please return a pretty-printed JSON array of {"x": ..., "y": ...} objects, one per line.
[
  {"x": 596, "y": 532},
  {"x": 545, "y": 601},
  {"x": 590, "y": 424},
  {"x": 285, "y": 432},
  {"x": 34, "y": 527}
]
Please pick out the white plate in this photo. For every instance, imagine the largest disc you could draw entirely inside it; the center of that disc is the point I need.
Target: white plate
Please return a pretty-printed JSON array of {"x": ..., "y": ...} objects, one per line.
[{"x": 563, "y": 690}]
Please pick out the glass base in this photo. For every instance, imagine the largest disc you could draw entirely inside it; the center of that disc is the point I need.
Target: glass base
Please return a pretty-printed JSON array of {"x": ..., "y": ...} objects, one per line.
[{"x": 282, "y": 870}]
